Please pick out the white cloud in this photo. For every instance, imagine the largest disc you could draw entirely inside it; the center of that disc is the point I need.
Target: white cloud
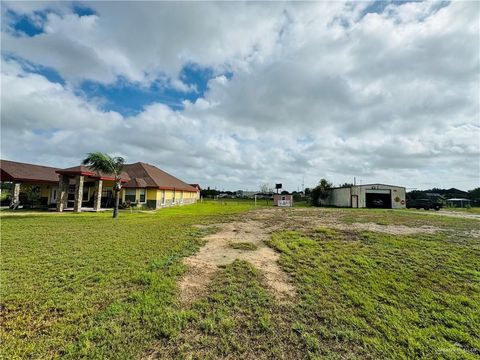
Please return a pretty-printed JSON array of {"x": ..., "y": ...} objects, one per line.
[
  {"x": 318, "y": 90},
  {"x": 141, "y": 43}
]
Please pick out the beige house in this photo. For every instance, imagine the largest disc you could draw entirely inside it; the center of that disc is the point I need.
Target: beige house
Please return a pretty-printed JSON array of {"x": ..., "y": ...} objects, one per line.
[
  {"x": 79, "y": 187},
  {"x": 153, "y": 187}
]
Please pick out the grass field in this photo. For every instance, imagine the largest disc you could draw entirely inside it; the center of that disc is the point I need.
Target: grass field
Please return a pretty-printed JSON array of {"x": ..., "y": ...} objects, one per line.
[{"x": 85, "y": 285}]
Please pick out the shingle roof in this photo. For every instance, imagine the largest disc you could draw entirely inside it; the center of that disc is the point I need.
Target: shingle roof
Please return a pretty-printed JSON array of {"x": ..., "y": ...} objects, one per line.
[
  {"x": 137, "y": 183},
  {"x": 197, "y": 186},
  {"x": 86, "y": 170},
  {"x": 150, "y": 176},
  {"x": 16, "y": 171},
  {"x": 139, "y": 175}
]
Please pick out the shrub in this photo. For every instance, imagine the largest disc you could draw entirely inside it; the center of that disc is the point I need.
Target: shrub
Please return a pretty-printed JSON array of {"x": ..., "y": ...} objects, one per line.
[{"x": 320, "y": 192}]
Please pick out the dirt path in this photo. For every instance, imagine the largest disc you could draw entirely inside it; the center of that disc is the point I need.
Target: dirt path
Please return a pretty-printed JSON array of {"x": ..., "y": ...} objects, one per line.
[
  {"x": 254, "y": 228},
  {"x": 218, "y": 251},
  {"x": 295, "y": 219}
]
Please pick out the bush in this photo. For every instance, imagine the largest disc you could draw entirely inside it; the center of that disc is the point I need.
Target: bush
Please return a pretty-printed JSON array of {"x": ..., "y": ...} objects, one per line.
[
  {"x": 125, "y": 205},
  {"x": 320, "y": 192}
]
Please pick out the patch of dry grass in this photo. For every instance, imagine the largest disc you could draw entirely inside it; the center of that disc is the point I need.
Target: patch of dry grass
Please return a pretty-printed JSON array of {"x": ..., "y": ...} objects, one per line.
[{"x": 243, "y": 246}]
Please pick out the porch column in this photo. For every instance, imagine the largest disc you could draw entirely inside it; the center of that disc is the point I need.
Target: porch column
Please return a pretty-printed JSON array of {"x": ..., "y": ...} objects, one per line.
[
  {"x": 62, "y": 195},
  {"x": 97, "y": 196},
  {"x": 15, "y": 194},
  {"x": 77, "y": 205}
]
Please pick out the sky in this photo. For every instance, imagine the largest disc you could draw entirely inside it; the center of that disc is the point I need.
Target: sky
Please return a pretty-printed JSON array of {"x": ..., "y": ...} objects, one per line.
[{"x": 232, "y": 95}]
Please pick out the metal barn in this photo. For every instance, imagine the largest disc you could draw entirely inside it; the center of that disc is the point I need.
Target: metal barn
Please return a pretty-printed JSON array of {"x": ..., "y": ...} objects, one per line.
[{"x": 368, "y": 196}]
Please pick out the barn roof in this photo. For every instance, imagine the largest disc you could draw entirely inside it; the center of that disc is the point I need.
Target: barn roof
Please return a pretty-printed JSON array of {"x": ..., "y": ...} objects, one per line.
[{"x": 362, "y": 185}]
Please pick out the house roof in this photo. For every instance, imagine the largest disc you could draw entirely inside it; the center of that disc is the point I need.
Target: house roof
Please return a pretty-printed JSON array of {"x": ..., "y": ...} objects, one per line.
[
  {"x": 88, "y": 171},
  {"x": 197, "y": 186},
  {"x": 17, "y": 171},
  {"x": 381, "y": 185},
  {"x": 138, "y": 183},
  {"x": 137, "y": 175},
  {"x": 80, "y": 170},
  {"x": 146, "y": 175}
]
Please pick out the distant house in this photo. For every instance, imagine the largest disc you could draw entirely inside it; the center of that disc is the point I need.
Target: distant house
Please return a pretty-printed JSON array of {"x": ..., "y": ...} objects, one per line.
[
  {"x": 80, "y": 187},
  {"x": 459, "y": 202},
  {"x": 245, "y": 194},
  {"x": 367, "y": 196}
]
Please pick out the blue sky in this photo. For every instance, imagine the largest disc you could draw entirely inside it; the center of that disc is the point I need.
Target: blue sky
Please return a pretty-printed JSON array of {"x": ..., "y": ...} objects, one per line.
[
  {"x": 127, "y": 98},
  {"x": 130, "y": 98},
  {"x": 268, "y": 92}
]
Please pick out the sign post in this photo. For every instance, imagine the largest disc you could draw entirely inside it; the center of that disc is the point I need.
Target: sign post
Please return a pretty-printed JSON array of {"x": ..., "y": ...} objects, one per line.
[{"x": 278, "y": 186}]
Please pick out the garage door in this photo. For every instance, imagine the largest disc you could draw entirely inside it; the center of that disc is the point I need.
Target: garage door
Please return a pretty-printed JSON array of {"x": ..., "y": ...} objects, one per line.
[{"x": 376, "y": 200}]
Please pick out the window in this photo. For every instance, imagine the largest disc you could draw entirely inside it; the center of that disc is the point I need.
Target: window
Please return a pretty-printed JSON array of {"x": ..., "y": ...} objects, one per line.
[
  {"x": 106, "y": 192},
  {"x": 142, "y": 195},
  {"x": 71, "y": 192},
  {"x": 85, "y": 193},
  {"x": 54, "y": 195},
  {"x": 284, "y": 198},
  {"x": 163, "y": 197},
  {"x": 130, "y": 195}
]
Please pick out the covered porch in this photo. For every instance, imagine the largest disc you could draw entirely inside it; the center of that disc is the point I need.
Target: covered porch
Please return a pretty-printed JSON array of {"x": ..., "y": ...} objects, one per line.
[
  {"x": 81, "y": 189},
  {"x": 27, "y": 185}
]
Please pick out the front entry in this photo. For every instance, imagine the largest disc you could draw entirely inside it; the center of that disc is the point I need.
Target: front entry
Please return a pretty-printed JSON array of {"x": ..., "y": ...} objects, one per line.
[
  {"x": 107, "y": 198},
  {"x": 354, "y": 201}
]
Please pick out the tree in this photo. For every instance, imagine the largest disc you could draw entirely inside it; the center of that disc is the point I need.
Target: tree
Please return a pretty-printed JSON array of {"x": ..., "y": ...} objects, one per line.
[
  {"x": 474, "y": 193},
  {"x": 101, "y": 162},
  {"x": 320, "y": 192},
  {"x": 266, "y": 189},
  {"x": 209, "y": 193},
  {"x": 475, "y": 196}
]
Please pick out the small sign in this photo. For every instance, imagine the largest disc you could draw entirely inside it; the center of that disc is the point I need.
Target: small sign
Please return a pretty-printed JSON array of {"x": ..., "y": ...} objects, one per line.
[
  {"x": 278, "y": 186},
  {"x": 284, "y": 203}
]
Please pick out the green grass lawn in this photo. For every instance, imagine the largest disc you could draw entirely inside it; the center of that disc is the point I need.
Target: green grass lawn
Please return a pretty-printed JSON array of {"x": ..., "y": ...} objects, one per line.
[
  {"x": 468, "y": 210},
  {"x": 85, "y": 285},
  {"x": 368, "y": 294}
]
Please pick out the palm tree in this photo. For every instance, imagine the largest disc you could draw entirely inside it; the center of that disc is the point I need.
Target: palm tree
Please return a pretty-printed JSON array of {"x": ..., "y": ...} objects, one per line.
[{"x": 101, "y": 162}]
